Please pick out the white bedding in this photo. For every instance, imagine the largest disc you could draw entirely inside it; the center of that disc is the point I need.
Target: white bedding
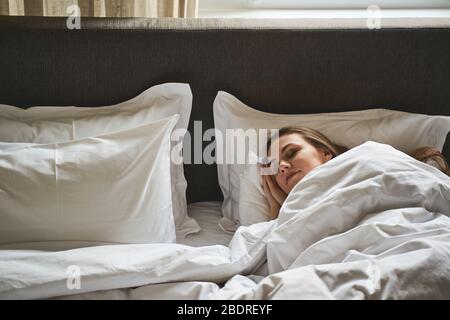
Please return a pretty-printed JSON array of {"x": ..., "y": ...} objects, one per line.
[
  {"x": 372, "y": 223},
  {"x": 207, "y": 215}
]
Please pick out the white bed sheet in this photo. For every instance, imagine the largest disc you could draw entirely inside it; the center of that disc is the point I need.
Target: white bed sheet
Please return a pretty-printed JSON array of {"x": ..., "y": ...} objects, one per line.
[{"x": 207, "y": 214}]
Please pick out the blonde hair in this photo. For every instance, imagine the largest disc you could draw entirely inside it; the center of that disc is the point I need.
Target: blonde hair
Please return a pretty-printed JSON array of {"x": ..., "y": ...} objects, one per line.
[
  {"x": 427, "y": 155},
  {"x": 432, "y": 157}
]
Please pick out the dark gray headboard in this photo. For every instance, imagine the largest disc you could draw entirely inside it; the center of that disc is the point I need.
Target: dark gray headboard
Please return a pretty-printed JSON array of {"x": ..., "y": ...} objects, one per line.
[{"x": 278, "y": 70}]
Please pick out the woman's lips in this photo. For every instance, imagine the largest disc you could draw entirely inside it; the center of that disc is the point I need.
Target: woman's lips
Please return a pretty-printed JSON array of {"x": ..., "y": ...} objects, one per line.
[{"x": 290, "y": 176}]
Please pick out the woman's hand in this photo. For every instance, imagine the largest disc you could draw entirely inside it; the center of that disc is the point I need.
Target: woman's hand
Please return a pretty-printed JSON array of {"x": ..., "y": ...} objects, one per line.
[{"x": 275, "y": 196}]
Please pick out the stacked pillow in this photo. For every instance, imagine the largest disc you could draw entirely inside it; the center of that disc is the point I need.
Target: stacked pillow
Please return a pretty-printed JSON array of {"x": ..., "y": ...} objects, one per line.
[
  {"x": 38, "y": 132},
  {"x": 111, "y": 188},
  {"x": 244, "y": 200}
]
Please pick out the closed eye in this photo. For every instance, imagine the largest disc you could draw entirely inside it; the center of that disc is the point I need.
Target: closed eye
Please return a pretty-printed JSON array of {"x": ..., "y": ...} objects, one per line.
[{"x": 291, "y": 153}]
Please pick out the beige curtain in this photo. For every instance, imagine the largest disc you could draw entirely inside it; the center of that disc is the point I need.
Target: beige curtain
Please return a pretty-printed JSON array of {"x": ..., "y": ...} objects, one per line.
[{"x": 103, "y": 8}]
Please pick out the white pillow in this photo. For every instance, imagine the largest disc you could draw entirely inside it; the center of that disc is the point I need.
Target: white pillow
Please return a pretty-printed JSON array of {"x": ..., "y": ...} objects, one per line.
[
  {"x": 112, "y": 188},
  {"x": 404, "y": 131},
  {"x": 253, "y": 204},
  {"x": 58, "y": 124}
]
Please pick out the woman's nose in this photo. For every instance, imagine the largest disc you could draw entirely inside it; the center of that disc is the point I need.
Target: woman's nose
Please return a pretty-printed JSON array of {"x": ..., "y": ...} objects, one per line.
[{"x": 284, "y": 166}]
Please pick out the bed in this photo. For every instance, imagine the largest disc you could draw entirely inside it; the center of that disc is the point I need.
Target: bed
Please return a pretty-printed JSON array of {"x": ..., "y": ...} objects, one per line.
[{"x": 281, "y": 69}]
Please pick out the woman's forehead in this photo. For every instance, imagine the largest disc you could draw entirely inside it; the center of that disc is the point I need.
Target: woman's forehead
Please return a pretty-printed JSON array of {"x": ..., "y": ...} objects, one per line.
[
  {"x": 283, "y": 141},
  {"x": 294, "y": 138}
]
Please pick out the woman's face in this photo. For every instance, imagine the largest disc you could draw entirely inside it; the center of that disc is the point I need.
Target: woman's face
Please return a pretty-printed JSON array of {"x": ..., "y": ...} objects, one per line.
[{"x": 297, "y": 157}]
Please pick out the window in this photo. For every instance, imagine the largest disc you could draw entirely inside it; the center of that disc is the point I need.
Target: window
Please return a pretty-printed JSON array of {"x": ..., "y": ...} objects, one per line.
[
  {"x": 321, "y": 4},
  {"x": 284, "y": 9}
]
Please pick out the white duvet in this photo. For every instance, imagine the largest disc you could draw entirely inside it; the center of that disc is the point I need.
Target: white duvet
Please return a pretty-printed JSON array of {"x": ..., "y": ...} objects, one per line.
[{"x": 372, "y": 223}]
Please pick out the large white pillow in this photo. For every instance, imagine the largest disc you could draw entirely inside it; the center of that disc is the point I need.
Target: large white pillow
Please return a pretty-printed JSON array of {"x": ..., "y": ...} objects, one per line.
[
  {"x": 404, "y": 131},
  {"x": 58, "y": 124},
  {"x": 111, "y": 188},
  {"x": 253, "y": 205}
]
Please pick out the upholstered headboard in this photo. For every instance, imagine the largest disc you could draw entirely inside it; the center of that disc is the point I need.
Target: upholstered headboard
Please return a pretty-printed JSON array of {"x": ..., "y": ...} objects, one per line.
[{"x": 277, "y": 69}]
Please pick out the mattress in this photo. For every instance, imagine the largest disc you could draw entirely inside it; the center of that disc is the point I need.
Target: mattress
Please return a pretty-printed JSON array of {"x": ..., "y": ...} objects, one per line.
[{"x": 207, "y": 215}]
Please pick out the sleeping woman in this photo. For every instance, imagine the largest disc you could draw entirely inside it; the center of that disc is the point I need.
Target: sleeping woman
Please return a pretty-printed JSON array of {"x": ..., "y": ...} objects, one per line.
[{"x": 303, "y": 149}]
